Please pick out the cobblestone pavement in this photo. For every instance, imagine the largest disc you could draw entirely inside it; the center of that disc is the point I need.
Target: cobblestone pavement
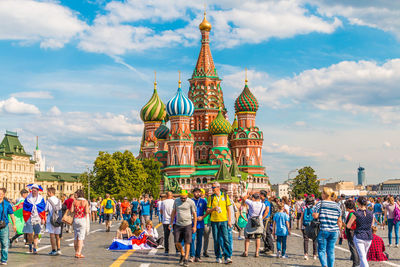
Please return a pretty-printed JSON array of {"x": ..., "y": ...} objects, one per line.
[{"x": 97, "y": 242}]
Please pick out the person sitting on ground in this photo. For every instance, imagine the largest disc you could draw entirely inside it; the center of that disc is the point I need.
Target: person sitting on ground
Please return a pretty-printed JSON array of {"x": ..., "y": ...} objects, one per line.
[
  {"x": 134, "y": 225},
  {"x": 124, "y": 232},
  {"x": 376, "y": 251},
  {"x": 152, "y": 235}
]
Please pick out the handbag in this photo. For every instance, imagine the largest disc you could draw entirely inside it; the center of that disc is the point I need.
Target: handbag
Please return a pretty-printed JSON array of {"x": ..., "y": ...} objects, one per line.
[
  {"x": 68, "y": 217},
  {"x": 255, "y": 220},
  {"x": 312, "y": 230},
  {"x": 2, "y": 222}
]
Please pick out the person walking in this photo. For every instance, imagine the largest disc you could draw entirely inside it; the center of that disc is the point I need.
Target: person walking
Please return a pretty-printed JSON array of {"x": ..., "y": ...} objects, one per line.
[
  {"x": 109, "y": 208},
  {"x": 207, "y": 228},
  {"x": 184, "y": 209},
  {"x": 145, "y": 206},
  {"x": 34, "y": 216},
  {"x": 134, "y": 206},
  {"x": 67, "y": 206},
  {"x": 267, "y": 234},
  {"x": 363, "y": 233},
  {"x": 378, "y": 212},
  {"x": 93, "y": 209},
  {"x": 254, "y": 228},
  {"x": 197, "y": 238},
  {"x": 305, "y": 220},
  {"x": 80, "y": 208},
  {"x": 126, "y": 209},
  {"x": 166, "y": 207},
  {"x": 19, "y": 218},
  {"x": 298, "y": 205},
  {"x": 100, "y": 211},
  {"x": 329, "y": 214},
  {"x": 389, "y": 216},
  {"x": 53, "y": 206},
  {"x": 281, "y": 229},
  {"x": 5, "y": 211},
  {"x": 350, "y": 210},
  {"x": 217, "y": 206}
]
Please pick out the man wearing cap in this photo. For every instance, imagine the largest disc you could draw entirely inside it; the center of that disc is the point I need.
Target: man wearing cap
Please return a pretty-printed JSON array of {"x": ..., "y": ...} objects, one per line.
[
  {"x": 34, "y": 216},
  {"x": 126, "y": 210},
  {"x": 217, "y": 206},
  {"x": 184, "y": 209},
  {"x": 197, "y": 238},
  {"x": 166, "y": 207}
]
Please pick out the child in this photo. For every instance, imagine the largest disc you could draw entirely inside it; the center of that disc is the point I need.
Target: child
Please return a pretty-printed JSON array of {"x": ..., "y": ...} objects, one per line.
[
  {"x": 377, "y": 248},
  {"x": 134, "y": 225},
  {"x": 152, "y": 235},
  {"x": 281, "y": 230},
  {"x": 124, "y": 232}
]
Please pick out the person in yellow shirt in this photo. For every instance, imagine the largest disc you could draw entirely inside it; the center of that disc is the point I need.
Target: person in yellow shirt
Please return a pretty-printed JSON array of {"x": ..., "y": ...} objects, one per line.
[
  {"x": 109, "y": 209},
  {"x": 218, "y": 206}
]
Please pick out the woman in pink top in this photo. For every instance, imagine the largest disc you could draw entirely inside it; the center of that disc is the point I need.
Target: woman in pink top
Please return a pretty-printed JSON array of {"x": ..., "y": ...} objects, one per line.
[
  {"x": 80, "y": 208},
  {"x": 389, "y": 215}
]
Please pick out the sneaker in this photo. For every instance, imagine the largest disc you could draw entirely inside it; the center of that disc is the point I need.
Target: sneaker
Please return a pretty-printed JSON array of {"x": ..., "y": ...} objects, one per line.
[
  {"x": 185, "y": 263},
  {"x": 315, "y": 257},
  {"x": 191, "y": 259},
  {"x": 278, "y": 254},
  {"x": 389, "y": 245},
  {"x": 53, "y": 253},
  {"x": 181, "y": 260},
  {"x": 197, "y": 260},
  {"x": 305, "y": 257},
  {"x": 228, "y": 261},
  {"x": 284, "y": 257},
  {"x": 34, "y": 251},
  {"x": 205, "y": 255},
  {"x": 218, "y": 261},
  {"x": 240, "y": 238},
  {"x": 3, "y": 263},
  {"x": 59, "y": 252},
  {"x": 396, "y": 246}
]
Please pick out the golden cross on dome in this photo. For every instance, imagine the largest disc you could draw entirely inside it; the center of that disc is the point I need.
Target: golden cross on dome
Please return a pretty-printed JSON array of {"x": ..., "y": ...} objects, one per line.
[
  {"x": 179, "y": 79},
  {"x": 245, "y": 76},
  {"x": 155, "y": 80}
]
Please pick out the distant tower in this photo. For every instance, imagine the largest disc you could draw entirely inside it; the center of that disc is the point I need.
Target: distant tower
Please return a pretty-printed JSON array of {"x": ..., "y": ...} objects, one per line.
[
  {"x": 40, "y": 164},
  {"x": 361, "y": 176}
]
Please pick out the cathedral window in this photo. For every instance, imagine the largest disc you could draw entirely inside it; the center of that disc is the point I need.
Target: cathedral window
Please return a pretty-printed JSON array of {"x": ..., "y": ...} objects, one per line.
[
  {"x": 198, "y": 181},
  {"x": 204, "y": 180},
  {"x": 188, "y": 181}
]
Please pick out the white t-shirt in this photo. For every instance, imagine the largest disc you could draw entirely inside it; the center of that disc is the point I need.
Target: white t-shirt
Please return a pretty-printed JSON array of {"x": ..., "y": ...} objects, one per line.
[
  {"x": 93, "y": 206},
  {"x": 153, "y": 232},
  {"x": 49, "y": 208},
  {"x": 287, "y": 208},
  {"x": 166, "y": 207},
  {"x": 256, "y": 208}
]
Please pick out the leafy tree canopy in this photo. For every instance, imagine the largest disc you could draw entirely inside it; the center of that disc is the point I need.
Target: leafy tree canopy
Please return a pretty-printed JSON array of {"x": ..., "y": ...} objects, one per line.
[{"x": 306, "y": 182}]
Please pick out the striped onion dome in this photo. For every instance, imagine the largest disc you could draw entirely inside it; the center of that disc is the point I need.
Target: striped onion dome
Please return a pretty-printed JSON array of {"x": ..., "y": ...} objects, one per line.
[
  {"x": 246, "y": 101},
  {"x": 235, "y": 124},
  {"x": 154, "y": 110},
  {"x": 180, "y": 105},
  {"x": 162, "y": 131},
  {"x": 220, "y": 125}
]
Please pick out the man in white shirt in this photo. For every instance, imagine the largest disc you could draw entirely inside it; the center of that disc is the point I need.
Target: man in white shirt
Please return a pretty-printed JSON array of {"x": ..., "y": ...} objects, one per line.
[
  {"x": 166, "y": 207},
  {"x": 53, "y": 204}
]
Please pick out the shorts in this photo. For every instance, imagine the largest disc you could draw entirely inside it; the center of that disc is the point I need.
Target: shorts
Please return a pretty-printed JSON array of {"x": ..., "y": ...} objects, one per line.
[
  {"x": 253, "y": 236},
  {"x": 183, "y": 233},
  {"x": 299, "y": 215},
  {"x": 29, "y": 228},
  {"x": 144, "y": 218},
  {"x": 108, "y": 216}
]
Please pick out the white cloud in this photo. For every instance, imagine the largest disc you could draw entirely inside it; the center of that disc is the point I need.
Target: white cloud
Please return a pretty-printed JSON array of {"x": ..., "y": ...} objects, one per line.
[
  {"x": 387, "y": 144},
  {"x": 29, "y": 21},
  {"x": 13, "y": 106},
  {"x": 300, "y": 123},
  {"x": 54, "y": 111},
  {"x": 291, "y": 150},
  {"x": 33, "y": 94}
]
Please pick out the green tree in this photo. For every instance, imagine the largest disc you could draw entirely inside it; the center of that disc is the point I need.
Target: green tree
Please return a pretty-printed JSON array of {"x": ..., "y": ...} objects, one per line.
[
  {"x": 306, "y": 182},
  {"x": 153, "y": 170}
]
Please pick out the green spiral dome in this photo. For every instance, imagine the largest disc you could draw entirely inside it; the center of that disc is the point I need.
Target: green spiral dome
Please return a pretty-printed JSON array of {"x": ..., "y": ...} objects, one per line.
[
  {"x": 220, "y": 125},
  {"x": 246, "y": 101},
  {"x": 154, "y": 110}
]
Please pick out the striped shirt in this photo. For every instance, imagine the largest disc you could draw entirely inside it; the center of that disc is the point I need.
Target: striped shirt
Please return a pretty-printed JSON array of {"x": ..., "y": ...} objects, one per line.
[{"x": 329, "y": 215}]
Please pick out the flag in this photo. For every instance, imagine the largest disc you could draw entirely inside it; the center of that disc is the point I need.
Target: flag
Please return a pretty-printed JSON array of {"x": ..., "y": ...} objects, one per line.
[
  {"x": 28, "y": 206},
  {"x": 135, "y": 242},
  {"x": 19, "y": 219}
]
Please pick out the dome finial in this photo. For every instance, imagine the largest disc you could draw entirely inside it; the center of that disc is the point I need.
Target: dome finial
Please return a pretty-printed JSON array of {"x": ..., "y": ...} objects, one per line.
[
  {"x": 205, "y": 25},
  {"x": 245, "y": 76},
  {"x": 155, "y": 80},
  {"x": 179, "y": 83}
]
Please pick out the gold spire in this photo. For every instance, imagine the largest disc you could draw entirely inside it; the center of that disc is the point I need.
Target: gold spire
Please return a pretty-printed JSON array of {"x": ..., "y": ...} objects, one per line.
[
  {"x": 155, "y": 80},
  {"x": 205, "y": 25},
  {"x": 245, "y": 76},
  {"x": 179, "y": 79}
]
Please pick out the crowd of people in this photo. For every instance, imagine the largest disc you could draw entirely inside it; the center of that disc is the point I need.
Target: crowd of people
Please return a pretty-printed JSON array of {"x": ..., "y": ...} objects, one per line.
[{"x": 256, "y": 216}]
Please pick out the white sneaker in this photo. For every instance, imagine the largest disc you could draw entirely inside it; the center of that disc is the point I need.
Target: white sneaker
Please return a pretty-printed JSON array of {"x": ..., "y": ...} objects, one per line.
[
  {"x": 389, "y": 245},
  {"x": 278, "y": 254},
  {"x": 228, "y": 261},
  {"x": 315, "y": 257},
  {"x": 218, "y": 261},
  {"x": 284, "y": 257},
  {"x": 305, "y": 257},
  {"x": 396, "y": 246}
]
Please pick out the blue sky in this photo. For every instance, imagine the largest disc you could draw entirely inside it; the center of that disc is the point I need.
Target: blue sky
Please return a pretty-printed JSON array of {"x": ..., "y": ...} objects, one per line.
[{"x": 326, "y": 74}]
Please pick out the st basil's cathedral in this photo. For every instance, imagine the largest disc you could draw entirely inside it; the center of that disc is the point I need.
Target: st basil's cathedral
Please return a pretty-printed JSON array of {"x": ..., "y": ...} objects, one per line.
[{"x": 201, "y": 145}]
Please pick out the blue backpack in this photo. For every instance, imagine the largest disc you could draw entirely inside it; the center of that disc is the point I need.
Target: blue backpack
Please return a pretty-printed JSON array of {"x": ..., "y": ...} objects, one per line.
[
  {"x": 307, "y": 216},
  {"x": 109, "y": 204}
]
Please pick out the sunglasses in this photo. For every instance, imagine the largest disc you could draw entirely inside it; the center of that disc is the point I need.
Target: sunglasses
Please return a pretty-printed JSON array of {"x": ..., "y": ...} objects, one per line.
[
  {"x": 213, "y": 187},
  {"x": 183, "y": 198}
]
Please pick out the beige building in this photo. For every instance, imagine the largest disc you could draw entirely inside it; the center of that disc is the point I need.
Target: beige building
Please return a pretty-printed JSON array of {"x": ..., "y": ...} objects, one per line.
[
  {"x": 281, "y": 190},
  {"x": 17, "y": 170},
  {"x": 347, "y": 188}
]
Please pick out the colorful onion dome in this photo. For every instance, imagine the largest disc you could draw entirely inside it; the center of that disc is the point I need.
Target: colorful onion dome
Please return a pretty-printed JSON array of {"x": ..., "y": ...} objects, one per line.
[
  {"x": 180, "y": 105},
  {"x": 162, "y": 131},
  {"x": 246, "y": 101},
  {"x": 154, "y": 110},
  {"x": 205, "y": 25},
  {"x": 235, "y": 124},
  {"x": 220, "y": 125}
]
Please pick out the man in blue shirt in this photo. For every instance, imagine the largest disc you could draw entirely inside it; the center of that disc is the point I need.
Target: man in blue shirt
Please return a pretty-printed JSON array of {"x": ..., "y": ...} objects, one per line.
[
  {"x": 145, "y": 210},
  {"x": 267, "y": 237},
  {"x": 197, "y": 238},
  {"x": 5, "y": 210},
  {"x": 134, "y": 205}
]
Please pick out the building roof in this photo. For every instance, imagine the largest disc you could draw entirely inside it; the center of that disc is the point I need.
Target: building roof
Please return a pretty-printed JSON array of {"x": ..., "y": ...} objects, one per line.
[
  {"x": 154, "y": 110},
  {"x": 220, "y": 125},
  {"x": 57, "y": 176},
  {"x": 392, "y": 181},
  {"x": 12, "y": 146},
  {"x": 180, "y": 105},
  {"x": 246, "y": 101}
]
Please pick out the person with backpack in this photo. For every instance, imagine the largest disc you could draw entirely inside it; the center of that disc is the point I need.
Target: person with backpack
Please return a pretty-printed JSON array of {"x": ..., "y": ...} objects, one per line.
[
  {"x": 54, "y": 221},
  {"x": 392, "y": 221},
  {"x": 109, "y": 209},
  {"x": 363, "y": 233},
  {"x": 305, "y": 220},
  {"x": 350, "y": 210}
]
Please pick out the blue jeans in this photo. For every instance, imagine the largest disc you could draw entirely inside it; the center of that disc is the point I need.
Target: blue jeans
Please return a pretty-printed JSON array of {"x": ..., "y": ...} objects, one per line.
[
  {"x": 221, "y": 241},
  {"x": 101, "y": 218},
  {"x": 326, "y": 247},
  {"x": 198, "y": 238},
  {"x": 4, "y": 241},
  {"x": 220, "y": 230},
  {"x": 396, "y": 230},
  {"x": 281, "y": 244}
]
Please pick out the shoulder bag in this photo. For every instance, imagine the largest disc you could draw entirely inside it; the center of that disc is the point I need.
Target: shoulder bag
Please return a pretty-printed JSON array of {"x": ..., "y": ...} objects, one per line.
[{"x": 312, "y": 230}]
